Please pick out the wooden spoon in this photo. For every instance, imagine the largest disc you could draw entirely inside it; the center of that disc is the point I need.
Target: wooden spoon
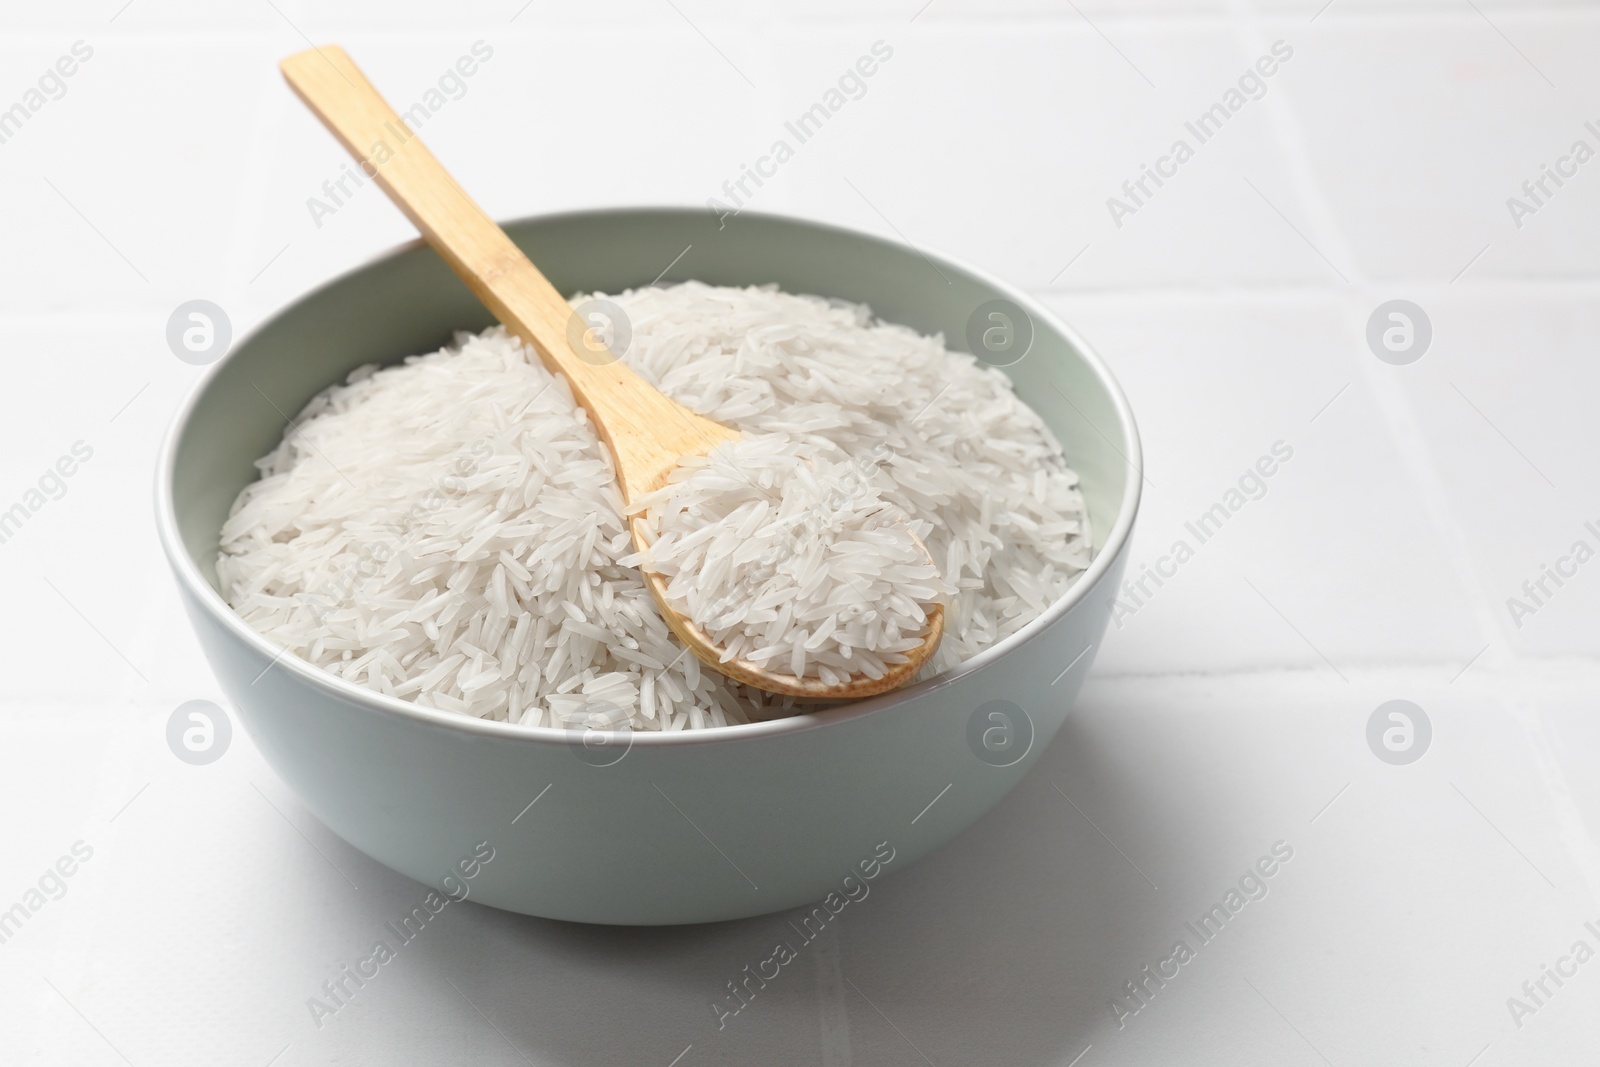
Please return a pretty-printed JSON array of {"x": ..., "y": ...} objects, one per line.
[{"x": 648, "y": 433}]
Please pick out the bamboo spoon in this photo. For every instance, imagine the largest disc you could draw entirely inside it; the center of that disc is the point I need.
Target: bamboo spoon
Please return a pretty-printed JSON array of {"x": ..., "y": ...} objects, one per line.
[{"x": 648, "y": 433}]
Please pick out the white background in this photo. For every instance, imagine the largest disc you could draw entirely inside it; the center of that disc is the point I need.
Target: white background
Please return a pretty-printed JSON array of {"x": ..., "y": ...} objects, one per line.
[{"x": 1227, "y": 714}]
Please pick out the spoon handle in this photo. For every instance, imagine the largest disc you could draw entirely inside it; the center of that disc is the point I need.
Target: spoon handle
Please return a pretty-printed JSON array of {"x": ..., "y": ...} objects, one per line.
[{"x": 628, "y": 412}]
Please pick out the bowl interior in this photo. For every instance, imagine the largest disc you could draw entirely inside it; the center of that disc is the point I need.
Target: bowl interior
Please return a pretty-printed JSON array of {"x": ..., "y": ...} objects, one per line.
[{"x": 409, "y": 302}]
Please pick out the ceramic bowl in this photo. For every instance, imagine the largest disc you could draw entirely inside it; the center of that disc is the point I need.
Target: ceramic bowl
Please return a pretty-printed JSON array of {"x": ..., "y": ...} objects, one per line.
[{"x": 649, "y": 828}]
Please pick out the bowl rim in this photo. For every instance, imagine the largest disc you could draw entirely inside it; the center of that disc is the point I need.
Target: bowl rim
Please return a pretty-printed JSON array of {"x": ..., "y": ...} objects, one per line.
[{"x": 200, "y": 591}]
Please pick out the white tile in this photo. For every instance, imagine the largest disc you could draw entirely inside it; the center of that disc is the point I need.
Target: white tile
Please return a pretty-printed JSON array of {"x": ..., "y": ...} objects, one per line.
[
  {"x": 127, "y": 191},
  {"x": 1336, "y": 540},
  {"x": 82, "y": 466},
  {"x": 1504, "y": 399},
  {"x": 99, "y": 20},
  {"x": 1358, "y": 939},
  {"x": 1042, "y": 910},
  {"x": 1003, "y": 144},
  {"x": 1335, "y": 11},
  {"x": 657, "y": 125},
  {"x": 495, "y": 18},
  {"x": 1393, "y": 535},
  {"x": 1562, "y": 697},
  {"x": 1419, "y": 131}
]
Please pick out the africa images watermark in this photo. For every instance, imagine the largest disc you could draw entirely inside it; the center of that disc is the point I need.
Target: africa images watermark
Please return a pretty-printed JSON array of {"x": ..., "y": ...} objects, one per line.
[
  {"x": 51, "y": 885},
  {"x": 1537, "y": 191},
  {"x": 1537, "y": 591},
  {"x": 1252, "y": 886},
  {"x": 47, "y": 88},
  {"x": 1537, "y": 991},
  {"x": 851, "y": 85},
  {"x": 852, "y": 888},
  {"x": 1252, "y": 485},
  {"x": 340, "y": 990},
  {"x": 451, "y": 85},
  {"x": 51, "y": 485},
  {"x": 1251, "y": 86}
]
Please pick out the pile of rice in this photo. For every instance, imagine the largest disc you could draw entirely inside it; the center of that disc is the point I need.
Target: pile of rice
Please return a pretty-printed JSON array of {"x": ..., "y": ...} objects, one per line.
[
  {"x": 788, "y": 557},
  {"x": 449, "y": 530}
]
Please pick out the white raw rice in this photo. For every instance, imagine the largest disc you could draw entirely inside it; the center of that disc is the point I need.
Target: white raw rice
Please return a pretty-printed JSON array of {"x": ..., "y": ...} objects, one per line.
[
  {"x": 788, "y": 557},
  {"x": 449, "y": 531}
]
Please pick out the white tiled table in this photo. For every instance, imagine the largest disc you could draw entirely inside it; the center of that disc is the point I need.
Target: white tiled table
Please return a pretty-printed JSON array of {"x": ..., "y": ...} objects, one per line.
[{"x": 1227, "y": 714}]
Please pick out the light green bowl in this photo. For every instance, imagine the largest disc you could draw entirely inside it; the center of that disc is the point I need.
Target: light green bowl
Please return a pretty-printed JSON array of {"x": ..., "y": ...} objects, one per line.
[{"x": 683, "y": 827}]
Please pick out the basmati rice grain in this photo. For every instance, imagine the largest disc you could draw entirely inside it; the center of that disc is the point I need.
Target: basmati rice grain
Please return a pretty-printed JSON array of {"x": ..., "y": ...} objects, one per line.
[{"x": 462, "y": 498}]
